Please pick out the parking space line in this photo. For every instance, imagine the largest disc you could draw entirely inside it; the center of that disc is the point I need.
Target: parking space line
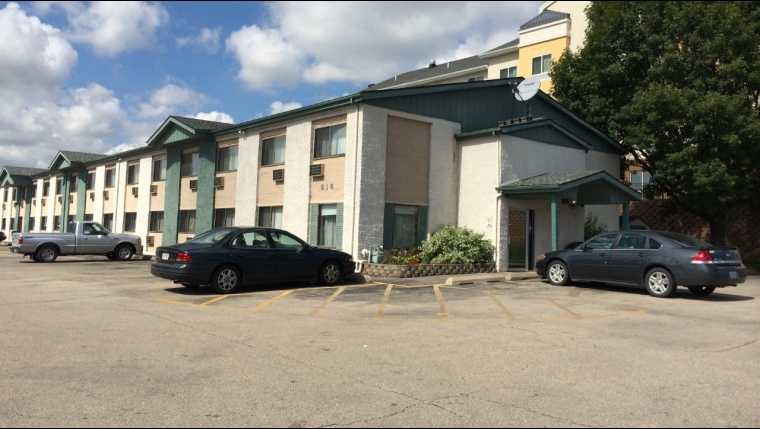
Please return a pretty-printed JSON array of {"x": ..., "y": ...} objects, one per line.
[
  {"x": 572, "y": 313},
  {"x": 267, "y": 302},
  {"x": 503, "y": 308},
  {"x": 329, "y": 300},
  {"x": 384, "y": 301},
  {"x": 444, "y": 313},
  {"x": 218, "y": 298}
]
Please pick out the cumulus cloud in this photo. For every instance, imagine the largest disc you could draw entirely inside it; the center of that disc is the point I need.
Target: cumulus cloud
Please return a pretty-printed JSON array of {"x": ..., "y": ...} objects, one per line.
[
  {"x": 215, "y": 116},
  {"x": 207, "y": 41},
  {"x": 360, "y": 42},
  {"x": 171, "y": 99},
  {"x": 279, "y": 107}
]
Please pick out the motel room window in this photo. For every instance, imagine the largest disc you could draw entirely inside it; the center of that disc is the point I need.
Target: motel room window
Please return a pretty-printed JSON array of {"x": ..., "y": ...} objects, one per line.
[
  {"x": 133, "y": 174},
  {"x": 330, "y": 141},
  {"x": 227, "y": 159},
  {"x": 156, "y": 221},
  {"x": 14, "y": 194},
  {"x": 640, "y": 179},
  {"x": 404, "y": 226},
  {"x": 89, "y": 217},
  {"x": 34, "y": 191},
  {"x": 273, "y": 151},
  {"x": 130, "y": 222},
  {"x": 71, "y": 218},
  {"x": 90, "y": 180},
  {"x": 189, "y": 164},
  {"x": 224, "y": 217},
  {"x": 110, "y": 178},
  {"x": 59, "y": 185},
  {"x": 270, "y": 217},
  {"x": 508, "y": 72},
  {"x": 159, "y": 169},
  {"x": 187, "y": 221},
  {"x": 542, "y": 64},
  {"x": 45, "y": 188},
  {"x": 328, "y": 225},
  {"x": 108, "y": 221},
  {"x": 3, "y": 223},
  {"x": 74, "y": 183},
  {"x": 32, "y": 221},
  {"x": 44, "y": 224},
  {"x": 56, "y": 223}
]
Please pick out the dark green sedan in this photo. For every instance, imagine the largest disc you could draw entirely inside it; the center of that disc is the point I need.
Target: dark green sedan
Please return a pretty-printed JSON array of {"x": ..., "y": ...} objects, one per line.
[{"x": 227, "y": 258}]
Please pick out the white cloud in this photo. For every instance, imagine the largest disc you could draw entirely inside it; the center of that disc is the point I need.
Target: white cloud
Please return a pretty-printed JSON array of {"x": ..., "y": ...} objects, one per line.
[
  {"x": 171, "y": 99},
  {"x": 215, "y": 116},
  {"x": 207, "y": 41},
  {"x": 279, "y": 107},
  {"x": 113, "y": 27},
  {"x": 317, "y": 42}
]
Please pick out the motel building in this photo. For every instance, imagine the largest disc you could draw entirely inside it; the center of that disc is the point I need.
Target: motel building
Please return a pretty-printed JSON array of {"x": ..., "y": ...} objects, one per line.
[{"x": 378, "y": 167}]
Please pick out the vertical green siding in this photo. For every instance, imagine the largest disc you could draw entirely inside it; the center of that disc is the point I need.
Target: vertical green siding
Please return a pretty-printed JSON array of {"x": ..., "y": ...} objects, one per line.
[
  {"x": 65, "y": 200},
  {"x": 171, "y": 196},
  {"x": 204, "y": 211},
  {"x": 313, "y": 219},
  {"x": 17, "y": 215},
  {"x": 422, "y": 221},
  {"x": 81, "y": 193},
  {"x": 388, "y": 226},
  {"x": 28, "y": 208},
  {"x": 339, "y": 228}
]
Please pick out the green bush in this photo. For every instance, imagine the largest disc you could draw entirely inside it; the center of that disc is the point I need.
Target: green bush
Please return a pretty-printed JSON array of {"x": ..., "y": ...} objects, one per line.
[
  {"x": 453, "y": 245},
  {"x": 592, "y": 226},
  {"x": 401, "y": 256}
]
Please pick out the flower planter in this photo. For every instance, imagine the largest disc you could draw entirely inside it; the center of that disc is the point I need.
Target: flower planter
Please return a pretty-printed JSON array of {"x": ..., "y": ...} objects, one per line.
[{"x": 423, "y": 270}]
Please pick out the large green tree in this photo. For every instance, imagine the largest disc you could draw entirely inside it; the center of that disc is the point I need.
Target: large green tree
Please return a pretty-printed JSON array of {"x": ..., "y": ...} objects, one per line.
[{"x": 678, "y": 84}]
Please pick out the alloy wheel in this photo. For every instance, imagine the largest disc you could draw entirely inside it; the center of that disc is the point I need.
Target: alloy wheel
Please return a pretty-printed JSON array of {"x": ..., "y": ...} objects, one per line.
[
  {"x": 557, "y": 273},
  {"x": 331, "y": 273},
  {"x": 227, "y": 279},
  {"x": 659, "y": 282}
]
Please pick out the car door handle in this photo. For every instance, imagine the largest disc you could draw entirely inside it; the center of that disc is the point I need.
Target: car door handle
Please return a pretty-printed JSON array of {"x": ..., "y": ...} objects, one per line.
[
  {"x": 602, "y": 254},
  {"x": 642, "y": 254}
]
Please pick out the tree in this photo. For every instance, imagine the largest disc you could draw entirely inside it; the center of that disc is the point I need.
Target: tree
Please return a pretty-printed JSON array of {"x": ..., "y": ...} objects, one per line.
[{"x": 678, "y": 84}]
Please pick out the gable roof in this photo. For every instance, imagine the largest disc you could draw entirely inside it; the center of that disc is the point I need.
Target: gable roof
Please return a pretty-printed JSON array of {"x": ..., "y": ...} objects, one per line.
[
  {"x": 201, "y": 124},
  {"x": 18, "y": 176},
  {"x": 587, "y": 187},
  {"x": 176, "y": 128},
  {"x": 65, "y": 159},
  {"x": 510, "y": 46},
  {"x": 431, "y": 74},
  {"x": 545, "y": 17}
]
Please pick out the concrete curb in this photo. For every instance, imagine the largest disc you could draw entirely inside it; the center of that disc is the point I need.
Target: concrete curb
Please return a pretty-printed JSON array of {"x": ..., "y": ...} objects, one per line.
[{"x": 478, "y": 278}]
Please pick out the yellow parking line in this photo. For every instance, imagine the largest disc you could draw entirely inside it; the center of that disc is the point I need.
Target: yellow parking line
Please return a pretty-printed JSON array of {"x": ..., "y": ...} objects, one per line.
[
  {"x": 572, "y": 313},
  {"x": 384, "y": 301},
  {"x": 265, "y": 303},
  {"x": 444, "y": 313},
  {"x": 503, "y": 308},
  {"x": 218, "y": 298},
  {"x": 329, "y": 300}
]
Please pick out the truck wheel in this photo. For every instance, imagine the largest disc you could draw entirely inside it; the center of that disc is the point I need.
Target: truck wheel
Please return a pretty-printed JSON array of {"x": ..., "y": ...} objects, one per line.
[
  {"x": 123, "y": 252},
  {"x": 111, "y": 256},
  {"x": 47, "y": 254},
  {"x": 35, "y": 258}
]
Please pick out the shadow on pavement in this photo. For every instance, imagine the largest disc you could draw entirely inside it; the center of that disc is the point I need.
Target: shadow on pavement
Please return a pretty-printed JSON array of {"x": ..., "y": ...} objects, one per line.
[{"x": 719, "y": 295}]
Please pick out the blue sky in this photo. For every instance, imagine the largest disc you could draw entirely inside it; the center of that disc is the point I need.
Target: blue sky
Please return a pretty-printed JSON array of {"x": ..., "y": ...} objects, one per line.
[{"x": 101, "y": 77}]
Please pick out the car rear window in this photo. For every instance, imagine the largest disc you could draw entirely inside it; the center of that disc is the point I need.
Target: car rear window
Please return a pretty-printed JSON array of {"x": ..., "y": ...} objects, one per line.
[
  {"x": 211, "y": 237},
  {"x": 685, "y": 240}
]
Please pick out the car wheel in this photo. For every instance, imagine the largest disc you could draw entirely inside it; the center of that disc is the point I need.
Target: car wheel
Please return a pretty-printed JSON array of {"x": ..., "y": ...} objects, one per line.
[
  {"x": 124, "y": 252},
  {"x": 47, "y": 254},
  {"x": 701, "y": 290},
  {"x": 557, "y": 273},
  {"x": 660, "y": 283},
  {"x": 226, "y": 279},
  {"x": 329, "y": 273}
]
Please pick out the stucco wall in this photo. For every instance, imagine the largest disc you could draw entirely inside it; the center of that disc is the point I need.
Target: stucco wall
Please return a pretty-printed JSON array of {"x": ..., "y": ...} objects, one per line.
[
  {"x": 247, "y": 180},
  {"x": 496, "y": 64},
  {"x": 579, "y": 21},
  {"x": 608, "y": 214},
  {"x": 523, "y": 158},
  {"x": 478, "y": 179}
]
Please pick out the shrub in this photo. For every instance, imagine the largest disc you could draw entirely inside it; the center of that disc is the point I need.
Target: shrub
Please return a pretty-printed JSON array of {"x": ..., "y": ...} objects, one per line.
[
  {"x": 453, "y": 245},
  {"x": 592, "y": 226}
]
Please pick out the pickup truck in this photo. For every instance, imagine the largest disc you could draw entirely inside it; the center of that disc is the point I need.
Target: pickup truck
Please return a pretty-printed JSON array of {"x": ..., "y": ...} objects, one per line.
[{"x": 82, "y": 238}]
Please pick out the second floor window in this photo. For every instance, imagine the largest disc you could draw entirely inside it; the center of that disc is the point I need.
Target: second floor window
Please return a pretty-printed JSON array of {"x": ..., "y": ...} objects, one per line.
[
  {"x": 508, "y": 72},
  {"x": 475, "y": 79},
  {"x": 110, "y": 178},
  {"x": 45, "y": 189},
  {"x": 59, "y": 185},
  {"x": 189, "y": 164},
  {"x": 273, "y": 151},
  {"x": 640, "y": 179},
  {"x": 542, "y": 64},
  {"x": 187, "y": 221},
  {"x": 227, "y": 159},
  {"x": 74, "y": 183},
  {"x": 159, "y": 169},
  {"x": 91, "y": 180},
  {"x": 130, "y": 222},
  {"x": 156, "y": 222},
  {"x": 330, "y": 141},
  {"x": 133, "y": 174}
]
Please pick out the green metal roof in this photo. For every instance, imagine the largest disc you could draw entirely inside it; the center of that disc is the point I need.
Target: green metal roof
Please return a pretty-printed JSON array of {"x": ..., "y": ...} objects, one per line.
[{"x": 588, "y": 187}]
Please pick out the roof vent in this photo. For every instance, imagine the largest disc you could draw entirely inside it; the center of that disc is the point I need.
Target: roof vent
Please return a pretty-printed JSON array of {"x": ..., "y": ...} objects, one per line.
[{"x": 432, "y": 64}]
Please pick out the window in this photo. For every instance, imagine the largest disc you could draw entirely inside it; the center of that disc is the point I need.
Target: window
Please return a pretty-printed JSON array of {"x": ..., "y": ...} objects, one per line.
[
  {"x": 45, "y": 188},
  {"x": 73, "y": 185},
  {"x": 32, "y": 221},
  {"x": 130, "y": 222},
  {"x": 330, "y": 141},
  {"x": 224, "y": 217},
  {"x": 56, "y": 223},
  {"x": 3, "y": 223},
  {"x": 250, "y": 240},
  {"x": 71, "y": 218},
  {"x": 133, "y": 174},
  {"x": 542, "y": 64},
  {"x": 15, "y": 194},
  {"x": 156, "y": 222},
  {"x": 226, "y": 160},
  {"x": 34, "y": 191},
  {"x": 89, "y": 217},
  {"x": 108, "y": 221},
  {"x": 110, "y": 178},
  {"x": 273, "y": 151},
  {"x": 603, "y": 242},
  {"x": 475, "y": 79},
  {"x": 93, "y": 229},
  {"x": 654, "y": 244},
  {"x": 284, "y": 240},
  {"x": 91, "y": 180},
  {"x": 187, "y": 221},
  {"x": 59, "y": 185},
  {"x": 44, "y": 224},
  {"x": 327, "y": 226},
  {"x": 189, "y": 164},
  {"x": 159, "y": 169},
  {"x": 508, "y": 72},
  {"x": 270, "y": 217},
  {"x": 632, "y": 242},
  {"x": 640, "y": 179},
  {"x": 404, "y": 226}
]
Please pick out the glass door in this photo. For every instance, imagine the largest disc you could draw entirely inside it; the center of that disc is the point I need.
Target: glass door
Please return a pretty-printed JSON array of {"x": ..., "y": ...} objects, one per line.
[{"x": 518, "y": 240}]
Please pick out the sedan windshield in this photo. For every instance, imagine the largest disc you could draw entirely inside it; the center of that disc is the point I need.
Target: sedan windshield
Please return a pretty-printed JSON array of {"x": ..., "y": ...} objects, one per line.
[
  {"x": 685, "y": 240},
  {"x": 211, "y": 237}
]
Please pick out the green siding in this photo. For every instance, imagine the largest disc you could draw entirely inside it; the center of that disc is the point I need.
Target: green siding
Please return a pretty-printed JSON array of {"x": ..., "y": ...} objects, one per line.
[
  {"x": 547, "y": 135},
  {"x": 422, "y": 221},
  {"x": 339, "y": 228},
  {"x": 17, "y": 215},
  {"x": 81, "y": 193},
  {"x": 313, "y": 220},
  {"x": 65, "y": 200},
  {"x": 173, "y": 134},
  {"x": 171, "y": 196},
  {"x": 27, "y": 208},
  {"x": 204, "y": 211},
  {"x": 388, "y": 226}
]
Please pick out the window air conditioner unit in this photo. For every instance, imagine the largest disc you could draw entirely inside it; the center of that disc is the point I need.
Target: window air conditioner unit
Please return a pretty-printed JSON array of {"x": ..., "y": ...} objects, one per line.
[
  {"x": 149, "y": 241},
  {"x": 43, "y": 202},
  {"x": 60, "y": 199},
  {"x": 71, "y": 199},
  {"x": 317, "y": 170},
  {"x": 194, "y": 184},
  {"x": 153, "y": 189},
  {"x": 134, "y": 190},
  {"x": 34, "y": 201},
  {"x": 105, "y": 195},
  {"x": 278, "y": 175},
  {"x": 218, "y": 182},
  {"x": 92, "y": 195}
]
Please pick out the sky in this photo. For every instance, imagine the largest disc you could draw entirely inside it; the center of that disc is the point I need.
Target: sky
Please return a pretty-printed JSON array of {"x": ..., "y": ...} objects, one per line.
[{"x": 101, "y": 77}]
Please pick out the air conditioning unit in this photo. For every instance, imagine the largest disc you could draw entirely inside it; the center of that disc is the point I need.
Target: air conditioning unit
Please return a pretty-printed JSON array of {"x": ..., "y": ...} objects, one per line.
[
  {"x": 317, "y": 170},
  {"x": 149, "y": 241},
  {"x": 194, "y": 184},
  {"x": 43, "y": 202},
  {"x": 218, "y": 182},
  {"x": 278, "y": 175},
  {"x": 92, "y": 195},
  {"x": 71, "y": 199},
  {"x": 134, "y": 190},
  {"x": 105, "y": 195},
  {"x": 34, "y": 201},
  {"x": 60, "y": 199},
  {"x": 153, "y": 189}
]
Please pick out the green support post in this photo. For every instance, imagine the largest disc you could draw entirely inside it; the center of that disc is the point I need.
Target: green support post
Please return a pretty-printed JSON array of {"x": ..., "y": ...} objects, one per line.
[{"x": 555, "y": 222}]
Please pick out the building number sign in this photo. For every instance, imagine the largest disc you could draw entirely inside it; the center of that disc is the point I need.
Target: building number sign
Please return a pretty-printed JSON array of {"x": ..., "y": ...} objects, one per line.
[{"x": 326, "y": 186}]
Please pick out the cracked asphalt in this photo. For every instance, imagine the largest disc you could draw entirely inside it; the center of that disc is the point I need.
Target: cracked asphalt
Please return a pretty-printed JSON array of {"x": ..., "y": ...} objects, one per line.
[{"x": 88, "y": 342}]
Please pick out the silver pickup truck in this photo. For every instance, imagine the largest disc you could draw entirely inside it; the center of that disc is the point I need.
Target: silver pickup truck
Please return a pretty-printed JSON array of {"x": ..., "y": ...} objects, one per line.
[{"x": 82, "y": 238}]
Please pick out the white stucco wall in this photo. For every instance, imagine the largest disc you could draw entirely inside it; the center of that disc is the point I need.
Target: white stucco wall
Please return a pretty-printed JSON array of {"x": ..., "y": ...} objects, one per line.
[
  {"x": 247, "y": 179},
  {"x": 351, "y": 181},
  {"x": 143, "y": 202},
  {"x": 478, "y": 178},
  {"x": 37, "y": 207},
  {"x": 100, "y": 186},
  {"x": 120, "y": 195},
  {"x": 50, "y": 204}
]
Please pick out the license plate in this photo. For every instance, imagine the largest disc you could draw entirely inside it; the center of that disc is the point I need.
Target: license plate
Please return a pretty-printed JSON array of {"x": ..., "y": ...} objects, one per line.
[
  {"x": 165, "y": 256},
  {"x": 733, "y": 274}
]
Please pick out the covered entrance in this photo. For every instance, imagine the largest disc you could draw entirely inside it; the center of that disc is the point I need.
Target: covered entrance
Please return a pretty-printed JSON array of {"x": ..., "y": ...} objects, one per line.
[{"x": 520, "y": 239}]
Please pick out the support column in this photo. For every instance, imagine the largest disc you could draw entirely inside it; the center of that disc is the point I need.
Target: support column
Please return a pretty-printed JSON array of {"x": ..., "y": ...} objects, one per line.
[
  {"x": 626, "y": 217},
  {"x": 555, "y": 222}
]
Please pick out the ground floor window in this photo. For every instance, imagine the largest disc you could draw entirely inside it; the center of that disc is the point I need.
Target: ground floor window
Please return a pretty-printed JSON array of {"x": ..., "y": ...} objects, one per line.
[
  {"x": 130, "y": 222},
  {"x": 56, "y": 223},
  {"x": 32, "y": 222},
  {"x": 187, "y": 221},
  {"x": 270, "y": 217},
  {"x": 224, "y": 217},
  {"x": 108, "y": 221},
  {"x": 3, "y": 224},
  {"x": 404, "y": 226},
  {"x": 71, "y": 218},
  {"x": 156, "y": 221},
  {"x": 328, "y": 219},
  {"x": 44, "y": 224},
  {"x": 89, "y": 217}
]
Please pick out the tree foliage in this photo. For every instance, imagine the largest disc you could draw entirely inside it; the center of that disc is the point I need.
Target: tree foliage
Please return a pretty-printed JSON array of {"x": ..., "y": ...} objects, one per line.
[{"x": 678, "y": 84}]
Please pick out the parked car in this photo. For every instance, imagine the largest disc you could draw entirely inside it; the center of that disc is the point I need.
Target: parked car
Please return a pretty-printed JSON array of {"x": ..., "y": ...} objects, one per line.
[
  {"x": 81, "y": 238},
  {"x": 656, "y": 260},
  {"x": 227, "y": 258}
]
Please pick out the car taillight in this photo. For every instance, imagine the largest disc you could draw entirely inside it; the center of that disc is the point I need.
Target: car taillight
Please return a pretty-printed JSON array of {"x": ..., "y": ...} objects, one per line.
[
  {"x": 21, "y": 240},
  {"x": 184, "y": 257},
  {"x": 702, "y": 257}
]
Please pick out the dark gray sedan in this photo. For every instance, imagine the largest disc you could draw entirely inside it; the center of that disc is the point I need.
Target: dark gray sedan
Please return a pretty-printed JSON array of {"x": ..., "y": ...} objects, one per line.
[
  {"x": 227, "y": 258},
  {"x": 656, "y": 260}
]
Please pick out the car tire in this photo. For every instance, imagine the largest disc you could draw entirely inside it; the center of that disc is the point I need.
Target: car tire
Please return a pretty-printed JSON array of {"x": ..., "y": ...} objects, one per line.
[
  {"x": 701, "y": 290},
  {"x": 329, "y": 273},
  {"x": 557, "y": 274},
  {"x": 660, "y": 283},
  {"x": 226, "y": 279},
  {"x": 47, "y": 254},
  {"x": 123, "y": 252}
]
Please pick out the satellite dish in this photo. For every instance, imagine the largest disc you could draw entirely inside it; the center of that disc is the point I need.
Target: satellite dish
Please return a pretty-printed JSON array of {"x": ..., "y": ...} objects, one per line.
[{"x": 528, "y": 88}]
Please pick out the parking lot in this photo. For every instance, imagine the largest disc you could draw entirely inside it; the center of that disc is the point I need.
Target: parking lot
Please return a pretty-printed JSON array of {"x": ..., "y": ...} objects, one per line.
[{"x": 90, "y": 342}]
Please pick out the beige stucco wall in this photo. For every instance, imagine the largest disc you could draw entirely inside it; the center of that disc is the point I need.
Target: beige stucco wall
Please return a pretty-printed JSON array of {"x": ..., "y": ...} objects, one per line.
[
  {"x": 579, "y": 21},
  {"x": 407, "y": 161},
  {"x": 496, "y": 64},
  {"x": 157, "y": 199},
  {"x": 330, "y": 187},
  {"x": 270, "y": 192},
  {"x": 224, "y": 197},
  {"x": 188, "y": 198},
  {"x": 555, "y": 47}
]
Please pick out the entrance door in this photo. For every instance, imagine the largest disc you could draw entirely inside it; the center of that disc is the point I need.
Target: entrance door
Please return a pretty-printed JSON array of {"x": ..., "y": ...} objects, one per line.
[{"x": 518, "y": 240}]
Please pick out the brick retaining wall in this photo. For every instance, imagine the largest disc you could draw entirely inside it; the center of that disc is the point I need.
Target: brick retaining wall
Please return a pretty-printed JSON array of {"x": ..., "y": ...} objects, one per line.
[{"x": 423, "y": 270}]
